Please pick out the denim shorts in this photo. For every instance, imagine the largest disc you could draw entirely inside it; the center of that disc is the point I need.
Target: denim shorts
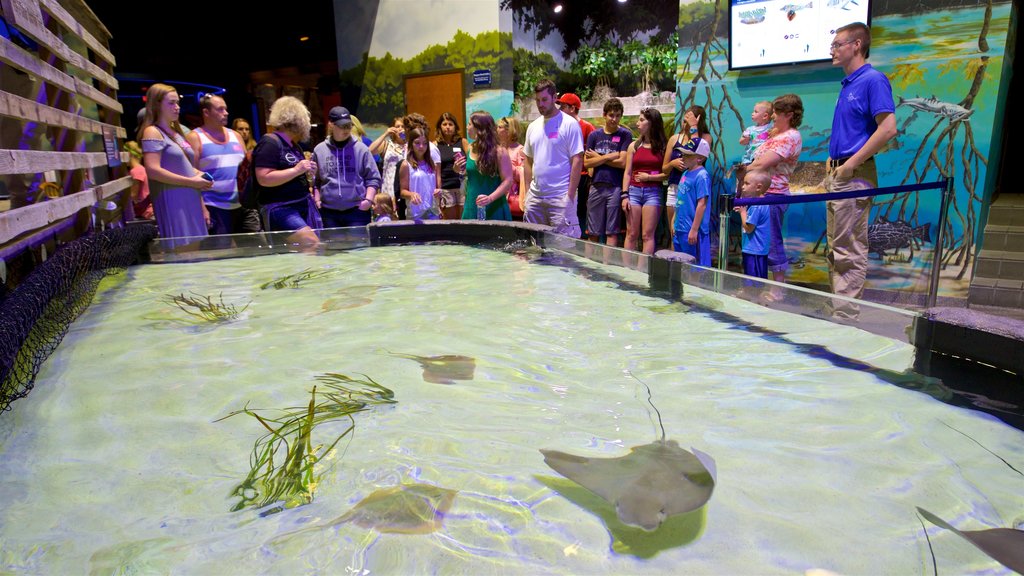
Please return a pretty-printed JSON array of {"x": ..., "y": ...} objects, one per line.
[
  {"x": 287, "y": 218},
  {"x": 646, "y": 196}
]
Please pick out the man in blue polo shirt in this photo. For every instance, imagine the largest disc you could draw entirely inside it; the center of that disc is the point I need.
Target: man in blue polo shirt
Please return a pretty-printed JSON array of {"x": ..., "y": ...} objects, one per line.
[{"x": 863, "y": 123}]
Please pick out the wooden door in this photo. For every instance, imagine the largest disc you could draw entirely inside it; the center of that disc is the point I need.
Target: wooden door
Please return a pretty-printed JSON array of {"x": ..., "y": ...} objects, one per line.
[{"x": 433, "y": 93}]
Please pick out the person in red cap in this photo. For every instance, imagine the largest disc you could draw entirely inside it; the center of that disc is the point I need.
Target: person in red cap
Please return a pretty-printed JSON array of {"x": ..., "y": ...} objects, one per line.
[{"x": 571, "y": 104}]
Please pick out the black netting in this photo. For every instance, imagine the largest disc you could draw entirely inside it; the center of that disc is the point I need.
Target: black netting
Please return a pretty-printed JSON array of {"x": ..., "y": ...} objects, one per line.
[{"x": 35, "y": 316}]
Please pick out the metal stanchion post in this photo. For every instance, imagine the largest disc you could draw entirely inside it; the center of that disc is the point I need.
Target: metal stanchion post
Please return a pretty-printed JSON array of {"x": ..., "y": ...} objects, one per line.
[
  {"x": 725, "y": 202},
  {"x": 933, "y": 284}
]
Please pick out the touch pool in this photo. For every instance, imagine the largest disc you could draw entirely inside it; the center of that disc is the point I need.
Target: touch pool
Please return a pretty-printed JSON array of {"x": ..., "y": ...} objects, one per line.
[{"x": 121, "y": 460}]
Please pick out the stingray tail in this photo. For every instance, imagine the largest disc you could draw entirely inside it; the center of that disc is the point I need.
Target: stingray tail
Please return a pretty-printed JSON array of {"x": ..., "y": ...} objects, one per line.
[{"x": 650, "y": 400}]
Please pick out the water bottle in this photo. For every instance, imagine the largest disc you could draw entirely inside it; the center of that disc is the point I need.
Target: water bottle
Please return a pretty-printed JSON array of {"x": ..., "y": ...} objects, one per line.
[{"x": 481, "y": 212}]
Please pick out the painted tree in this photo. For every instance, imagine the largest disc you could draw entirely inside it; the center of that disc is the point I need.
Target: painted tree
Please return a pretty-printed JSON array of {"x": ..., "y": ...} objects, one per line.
[{"x": 953, "y": 147}]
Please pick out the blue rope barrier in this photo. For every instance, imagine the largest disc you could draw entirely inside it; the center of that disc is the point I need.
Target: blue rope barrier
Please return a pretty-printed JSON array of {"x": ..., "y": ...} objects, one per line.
[{"x": 802, "y": 198}]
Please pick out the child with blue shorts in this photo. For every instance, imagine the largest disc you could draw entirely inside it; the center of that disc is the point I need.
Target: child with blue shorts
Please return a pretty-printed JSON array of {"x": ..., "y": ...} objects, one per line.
[
  {"x": 755, "y": 219},
  {"x": 691, "y": 227}
]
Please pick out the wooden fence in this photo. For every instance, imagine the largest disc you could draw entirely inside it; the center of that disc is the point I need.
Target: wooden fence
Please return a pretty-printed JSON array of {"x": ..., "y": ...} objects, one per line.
[{"x": 59, "y": 118}]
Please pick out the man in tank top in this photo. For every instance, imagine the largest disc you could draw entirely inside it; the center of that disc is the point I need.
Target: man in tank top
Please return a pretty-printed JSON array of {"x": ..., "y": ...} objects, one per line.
[{"x": 219, "y": 151}]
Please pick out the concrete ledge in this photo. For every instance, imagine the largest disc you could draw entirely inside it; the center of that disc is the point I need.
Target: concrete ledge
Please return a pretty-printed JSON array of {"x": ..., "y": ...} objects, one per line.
[
  {"x": 460, "y": 231},
  {"x": 993, "y": 340}
]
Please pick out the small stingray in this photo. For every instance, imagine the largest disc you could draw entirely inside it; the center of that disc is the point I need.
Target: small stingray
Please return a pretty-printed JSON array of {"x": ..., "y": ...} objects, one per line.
[
  {"x": 1004, "y": 545},
  {"x": 350, "y": 297},
  {"x": 404, "y": 509},
  {"x": 443, "y": 369},
  {"x": 673, "y": 308},
  {"x": 646, "y": 486}
]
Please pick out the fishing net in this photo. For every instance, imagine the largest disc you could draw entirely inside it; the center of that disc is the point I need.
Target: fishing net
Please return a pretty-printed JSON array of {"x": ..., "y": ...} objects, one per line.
[{"x": 35, "y": 316}]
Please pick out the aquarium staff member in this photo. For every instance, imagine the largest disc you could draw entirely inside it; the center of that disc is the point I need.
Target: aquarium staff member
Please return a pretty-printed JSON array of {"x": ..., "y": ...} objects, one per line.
[{"x": 864, "y": 121}]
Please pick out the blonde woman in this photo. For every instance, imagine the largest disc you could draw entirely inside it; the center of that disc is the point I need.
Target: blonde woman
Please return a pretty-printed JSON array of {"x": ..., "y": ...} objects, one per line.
[
  {"x": 174, "y": 184},
  {"x": 510, "y": 133},
  {"x": 283, "y": 172}
]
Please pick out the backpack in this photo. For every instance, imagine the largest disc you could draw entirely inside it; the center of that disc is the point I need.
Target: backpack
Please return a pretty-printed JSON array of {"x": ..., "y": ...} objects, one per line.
[{"x": 247, "y": 193}]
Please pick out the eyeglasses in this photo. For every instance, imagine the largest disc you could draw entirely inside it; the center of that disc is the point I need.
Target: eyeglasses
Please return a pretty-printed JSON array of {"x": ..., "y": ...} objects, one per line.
[{"x": 836, "y": 45}]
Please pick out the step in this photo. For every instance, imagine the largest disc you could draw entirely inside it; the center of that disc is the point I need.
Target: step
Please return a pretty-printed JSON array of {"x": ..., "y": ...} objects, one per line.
[
  {"x": 1004, "y": 238},
  {"x": 1006, "y": 215},
  {"x": 1002, "y": 297},
  {"x": 1000, "y": 264}
]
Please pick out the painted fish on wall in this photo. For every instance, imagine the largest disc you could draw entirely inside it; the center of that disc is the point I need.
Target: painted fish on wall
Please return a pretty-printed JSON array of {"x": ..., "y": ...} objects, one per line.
[{"x": 894, "y": 235}]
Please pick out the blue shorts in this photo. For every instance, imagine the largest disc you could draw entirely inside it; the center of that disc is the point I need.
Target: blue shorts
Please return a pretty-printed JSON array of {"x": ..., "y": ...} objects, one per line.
[
  {"x": 701, "y": 251},
  {"x": 646, "y": 196},
  {"x": 755, "y": 265},
  {"x": 286, "y": 218}
]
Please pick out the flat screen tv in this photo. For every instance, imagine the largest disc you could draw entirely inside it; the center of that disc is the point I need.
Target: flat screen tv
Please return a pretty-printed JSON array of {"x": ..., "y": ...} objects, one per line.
[{"x": 774, "y": 32}]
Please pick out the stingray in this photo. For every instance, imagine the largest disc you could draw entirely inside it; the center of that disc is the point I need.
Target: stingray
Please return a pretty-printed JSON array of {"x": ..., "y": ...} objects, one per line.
[
  {"x": 1004, "y": 545},
  {"x": 646, "y": 486},
  {"x": 350, "y": 297},
  {"x": 402, "y": 509},
  {"x": 443, "y": 369}
]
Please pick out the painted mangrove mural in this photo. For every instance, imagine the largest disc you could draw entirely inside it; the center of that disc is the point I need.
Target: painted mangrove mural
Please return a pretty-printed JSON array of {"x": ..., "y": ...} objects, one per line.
[{"x": 945, "y": 64}]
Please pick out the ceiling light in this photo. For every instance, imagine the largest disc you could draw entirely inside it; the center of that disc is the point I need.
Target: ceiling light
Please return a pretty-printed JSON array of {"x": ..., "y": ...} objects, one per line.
[{"x": 558, "y": 8}]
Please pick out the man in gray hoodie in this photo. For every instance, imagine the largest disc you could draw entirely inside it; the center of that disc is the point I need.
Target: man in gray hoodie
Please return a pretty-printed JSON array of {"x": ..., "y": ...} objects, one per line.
[{"x": 347, "y": 177}]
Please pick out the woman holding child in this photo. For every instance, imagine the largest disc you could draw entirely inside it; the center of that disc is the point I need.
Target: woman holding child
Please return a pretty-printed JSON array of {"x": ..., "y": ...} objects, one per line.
[{"x": 778, "y": 156}]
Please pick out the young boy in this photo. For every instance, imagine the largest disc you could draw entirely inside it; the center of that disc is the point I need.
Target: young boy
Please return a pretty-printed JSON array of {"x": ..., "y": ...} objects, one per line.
[
  {"x": 606, "y": 155},
  {"x": 691, "y": 228},
  {"x": 756, "y": 233}
]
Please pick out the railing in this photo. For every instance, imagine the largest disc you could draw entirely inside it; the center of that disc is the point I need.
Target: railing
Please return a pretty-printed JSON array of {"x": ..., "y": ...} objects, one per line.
[{"x": 727, "y": 202}]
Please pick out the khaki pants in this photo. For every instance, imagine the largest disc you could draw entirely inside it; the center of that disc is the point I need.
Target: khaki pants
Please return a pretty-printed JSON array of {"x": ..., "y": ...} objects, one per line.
[{"x": 847, "y": 228}]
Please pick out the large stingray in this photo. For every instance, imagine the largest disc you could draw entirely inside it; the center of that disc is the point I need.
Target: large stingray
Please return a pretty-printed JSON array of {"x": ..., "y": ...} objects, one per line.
[
  {"x": 646, "y": 486},
  {"x": 443, "y": 369},
  {"x": 1004, "y": 545}
]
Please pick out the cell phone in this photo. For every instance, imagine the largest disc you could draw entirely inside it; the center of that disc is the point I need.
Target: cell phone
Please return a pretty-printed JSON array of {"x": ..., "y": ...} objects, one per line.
[{"x": 206, "y": 176}]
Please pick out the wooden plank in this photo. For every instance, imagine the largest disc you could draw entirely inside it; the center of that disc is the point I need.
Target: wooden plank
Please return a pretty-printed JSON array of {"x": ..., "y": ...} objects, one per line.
[
  {"x": 14, "y": 223},
  {"x": 37, "y": 161},
  {"x": 19, "y": 58},
  {"x": 14, "y": 55},
  {"x": 25, "y": 109},
  {"x": 71, "y": 24},
  {"x": 30, "y": 20}
]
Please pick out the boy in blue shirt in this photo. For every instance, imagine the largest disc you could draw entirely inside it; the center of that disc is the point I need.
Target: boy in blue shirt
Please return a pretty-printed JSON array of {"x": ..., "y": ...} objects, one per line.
[
  {"x": 691, "y": 227},
  {"x": 755, "y": 219}
]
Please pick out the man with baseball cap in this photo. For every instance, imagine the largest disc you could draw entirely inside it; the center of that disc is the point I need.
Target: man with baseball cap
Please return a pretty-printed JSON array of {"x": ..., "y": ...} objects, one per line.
[
  {"x": 347, "y": 177},
  {"x": 692, "y": 234},
  {"x": 571, "y": 104}
]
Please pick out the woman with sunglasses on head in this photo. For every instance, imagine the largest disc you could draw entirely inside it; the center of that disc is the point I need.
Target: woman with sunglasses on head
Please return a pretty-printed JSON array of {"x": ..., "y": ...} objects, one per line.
[{"x": 694, "y": 126}]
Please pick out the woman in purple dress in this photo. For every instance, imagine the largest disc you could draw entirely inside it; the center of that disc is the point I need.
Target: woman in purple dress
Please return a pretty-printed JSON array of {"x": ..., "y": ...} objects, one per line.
[{"x": 174, "y": 184}]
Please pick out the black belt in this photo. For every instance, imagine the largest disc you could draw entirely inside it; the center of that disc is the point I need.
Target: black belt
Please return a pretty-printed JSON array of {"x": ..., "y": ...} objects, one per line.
[{"x": 837, "y": 162}]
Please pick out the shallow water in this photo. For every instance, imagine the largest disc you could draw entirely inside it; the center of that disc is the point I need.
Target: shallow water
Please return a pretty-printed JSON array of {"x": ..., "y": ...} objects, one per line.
[{"x": 115, "y": 462}]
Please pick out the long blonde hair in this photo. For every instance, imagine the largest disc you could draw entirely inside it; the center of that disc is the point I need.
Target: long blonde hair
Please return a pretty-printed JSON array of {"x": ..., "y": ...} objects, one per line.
[{"x": 154, "y": 99}]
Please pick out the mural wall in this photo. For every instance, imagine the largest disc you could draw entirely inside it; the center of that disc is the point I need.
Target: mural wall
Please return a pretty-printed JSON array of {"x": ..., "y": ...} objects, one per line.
[
  {"x": 949, "y": 75},
  {"x": 946, "y": 62},
  {"x": 415, "y": 36}
]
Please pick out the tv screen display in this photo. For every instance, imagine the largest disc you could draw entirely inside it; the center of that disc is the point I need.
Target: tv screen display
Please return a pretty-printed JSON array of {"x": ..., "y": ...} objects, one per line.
[{"x": 771, "y": 32}]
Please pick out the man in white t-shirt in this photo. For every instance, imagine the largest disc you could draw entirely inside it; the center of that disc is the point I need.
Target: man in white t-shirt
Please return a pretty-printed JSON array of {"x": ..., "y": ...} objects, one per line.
[{"x": 554, "y": 160}]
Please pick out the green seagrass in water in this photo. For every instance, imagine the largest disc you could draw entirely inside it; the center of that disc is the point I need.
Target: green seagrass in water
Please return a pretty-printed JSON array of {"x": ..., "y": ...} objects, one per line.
[
  {"x": 285, "y": 463},
  {"x": 205, "y": 308},
  {"x": 293, "y": 280}
]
